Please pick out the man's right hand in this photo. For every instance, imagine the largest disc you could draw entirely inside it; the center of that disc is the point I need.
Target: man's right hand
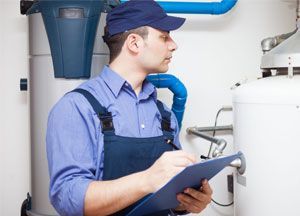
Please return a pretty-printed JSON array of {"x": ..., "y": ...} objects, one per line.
[
  {"x": 166, "y": 167},
  {"x": 108, "y": 197}
]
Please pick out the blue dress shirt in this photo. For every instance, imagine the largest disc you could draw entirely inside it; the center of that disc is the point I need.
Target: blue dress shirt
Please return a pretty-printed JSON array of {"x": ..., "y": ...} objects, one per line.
[{"x": 75, "y": 142}]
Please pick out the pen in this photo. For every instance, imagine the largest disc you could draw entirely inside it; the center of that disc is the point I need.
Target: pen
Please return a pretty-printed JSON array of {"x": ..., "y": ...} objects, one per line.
[{"x": 172, "y": 144}]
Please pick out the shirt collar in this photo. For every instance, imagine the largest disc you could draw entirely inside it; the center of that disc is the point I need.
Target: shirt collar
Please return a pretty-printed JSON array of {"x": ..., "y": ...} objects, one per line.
[
  {"x": 149, "y": 89},
  {"x": 113, "y": 80},
  {"x": 115, "y": 83}
]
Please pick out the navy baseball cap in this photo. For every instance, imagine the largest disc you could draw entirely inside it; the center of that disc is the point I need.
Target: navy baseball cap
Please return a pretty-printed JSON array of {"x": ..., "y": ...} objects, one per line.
[{"x": 137, "y": 13}]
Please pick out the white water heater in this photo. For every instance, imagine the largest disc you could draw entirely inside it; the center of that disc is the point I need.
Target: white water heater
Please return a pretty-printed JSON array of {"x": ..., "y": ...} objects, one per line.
[
  {"x": 266, "y": 130},
  {"x": 45, "y": 91}
]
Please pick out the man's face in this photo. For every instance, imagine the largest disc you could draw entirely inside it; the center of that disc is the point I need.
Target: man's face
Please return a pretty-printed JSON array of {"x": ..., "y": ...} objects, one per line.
[{"x": 157, "y": 50}]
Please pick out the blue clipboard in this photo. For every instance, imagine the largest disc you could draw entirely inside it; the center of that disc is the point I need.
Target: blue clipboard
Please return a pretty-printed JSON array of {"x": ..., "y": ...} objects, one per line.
[{"x": 165, "y": 198}]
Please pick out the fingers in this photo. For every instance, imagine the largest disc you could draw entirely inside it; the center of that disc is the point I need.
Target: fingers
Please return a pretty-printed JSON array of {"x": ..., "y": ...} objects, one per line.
[
  {"x": 196, "y": 200},
  {"x": 182, "y": 162},
  {"x": 167, "y": 166},
  {"x": 190, "y": 204},
  {"x": 180, "y": 207},
  {"x": 181, "y": 158},
  {"x": 197, "y": 195},
  {"x": 206, "y": 187}
]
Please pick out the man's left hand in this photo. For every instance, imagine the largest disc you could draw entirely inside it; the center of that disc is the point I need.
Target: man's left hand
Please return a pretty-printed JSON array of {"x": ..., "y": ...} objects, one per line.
[{"x": 194, "y": 201}]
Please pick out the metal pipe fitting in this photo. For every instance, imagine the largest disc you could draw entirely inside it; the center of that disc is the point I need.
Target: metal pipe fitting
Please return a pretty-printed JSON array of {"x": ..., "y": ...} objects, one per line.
[
  {"x": 216, "y": 128},
  {"x": 269, "y": 43},
  {"x": 237, "y": 163},
  {"x": 220, "y": 148},
  {"x": 220, "y": 142},
  {"x": 193, "y": 130},
  {"x": 240, "y": 164}
]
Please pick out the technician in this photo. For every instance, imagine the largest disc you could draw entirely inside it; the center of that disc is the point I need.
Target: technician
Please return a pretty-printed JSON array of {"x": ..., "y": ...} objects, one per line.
[{"x": 110, "y": 142}]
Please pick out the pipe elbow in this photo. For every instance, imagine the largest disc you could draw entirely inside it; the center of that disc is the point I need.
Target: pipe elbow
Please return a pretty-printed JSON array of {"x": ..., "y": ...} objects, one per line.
[
  {"x": 224, "y": 6},
  {"x": 220, "y": 148},
  {"x": 176, "y": 87},
  {"x": 268, "y": 44},
  {"x": 168, "y": 81}
]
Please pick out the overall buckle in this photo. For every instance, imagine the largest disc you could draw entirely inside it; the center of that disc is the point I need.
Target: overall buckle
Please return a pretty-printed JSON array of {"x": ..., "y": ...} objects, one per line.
[{"x": 106, "y": 122}]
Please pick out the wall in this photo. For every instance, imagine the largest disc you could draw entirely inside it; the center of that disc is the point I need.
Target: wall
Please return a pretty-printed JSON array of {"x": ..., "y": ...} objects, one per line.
[
  {"x": 14, "y": 119},
  {"x": 214, "y": 53}
]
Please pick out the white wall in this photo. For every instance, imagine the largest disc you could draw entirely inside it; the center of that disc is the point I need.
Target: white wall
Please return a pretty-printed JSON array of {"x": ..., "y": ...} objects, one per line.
[
  {"x": 214, "y": 53},
  {"x": 14, "y": 130}
]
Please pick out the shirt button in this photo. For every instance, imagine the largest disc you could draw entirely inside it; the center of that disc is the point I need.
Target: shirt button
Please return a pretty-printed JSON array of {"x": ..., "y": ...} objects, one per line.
[{"x": 142, "y": 126}]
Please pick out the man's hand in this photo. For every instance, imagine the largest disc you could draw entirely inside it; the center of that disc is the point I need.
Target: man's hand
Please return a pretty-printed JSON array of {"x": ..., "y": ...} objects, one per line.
[
  {"x": 195, "y": 201},
  {"x": 165, "y": 168}
]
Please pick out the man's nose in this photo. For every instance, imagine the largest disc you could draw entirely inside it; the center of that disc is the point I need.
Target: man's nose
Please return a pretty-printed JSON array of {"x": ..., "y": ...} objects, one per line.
[{"x": 172, "y": 45}]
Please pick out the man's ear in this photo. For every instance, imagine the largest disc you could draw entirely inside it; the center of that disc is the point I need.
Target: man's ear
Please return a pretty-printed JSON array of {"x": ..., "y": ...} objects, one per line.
[{"x": 133, "y": 42}]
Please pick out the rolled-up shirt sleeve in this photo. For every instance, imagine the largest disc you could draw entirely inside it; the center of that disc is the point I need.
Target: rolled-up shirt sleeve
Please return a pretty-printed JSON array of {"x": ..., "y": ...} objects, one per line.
[{"x": 72, "y": 152}]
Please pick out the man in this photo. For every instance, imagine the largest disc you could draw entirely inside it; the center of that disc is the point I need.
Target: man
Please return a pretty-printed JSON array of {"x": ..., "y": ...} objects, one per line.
[{"x": 106, "y": 144}]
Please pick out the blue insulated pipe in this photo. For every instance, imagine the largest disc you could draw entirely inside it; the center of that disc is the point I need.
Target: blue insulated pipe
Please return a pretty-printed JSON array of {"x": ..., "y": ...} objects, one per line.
[
  {"x": 177, "y": 87},
  {"x": 216, "y": 8}
]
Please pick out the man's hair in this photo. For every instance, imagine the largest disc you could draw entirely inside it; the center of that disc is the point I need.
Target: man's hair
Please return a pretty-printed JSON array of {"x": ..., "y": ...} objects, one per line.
[{"x": 116, "y": 42}]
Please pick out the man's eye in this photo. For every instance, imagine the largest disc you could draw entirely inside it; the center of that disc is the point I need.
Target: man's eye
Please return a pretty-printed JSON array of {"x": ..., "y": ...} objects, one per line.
[{"x": 164, "y": 37}]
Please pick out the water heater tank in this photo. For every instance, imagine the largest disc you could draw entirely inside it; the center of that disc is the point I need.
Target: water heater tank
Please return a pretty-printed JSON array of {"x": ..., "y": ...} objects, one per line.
[
  {"x": 266, "y": 130},
  {"x": 45, "y": 91}
]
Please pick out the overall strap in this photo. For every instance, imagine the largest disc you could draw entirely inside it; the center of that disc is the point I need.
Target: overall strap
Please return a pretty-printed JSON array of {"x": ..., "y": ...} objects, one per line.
[
  {"x": 102, "y": 113},
  {"x": 166, "y": 117}
]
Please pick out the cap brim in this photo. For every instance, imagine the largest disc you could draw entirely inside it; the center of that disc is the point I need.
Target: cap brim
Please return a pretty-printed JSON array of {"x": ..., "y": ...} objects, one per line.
[{"x": 168, "y": 23}]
